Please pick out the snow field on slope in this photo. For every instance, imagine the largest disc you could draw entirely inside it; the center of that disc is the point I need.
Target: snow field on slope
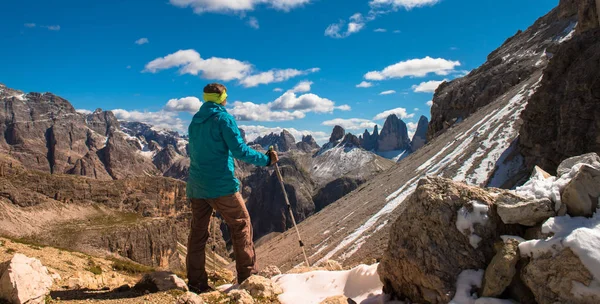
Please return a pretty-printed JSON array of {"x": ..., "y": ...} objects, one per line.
[{"x": 337, "y": 160}]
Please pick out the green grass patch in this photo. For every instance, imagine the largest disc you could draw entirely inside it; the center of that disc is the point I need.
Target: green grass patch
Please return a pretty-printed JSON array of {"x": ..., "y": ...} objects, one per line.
[
  {"x": 94, "y": 268},
  {"x": 130, "y": 267}
]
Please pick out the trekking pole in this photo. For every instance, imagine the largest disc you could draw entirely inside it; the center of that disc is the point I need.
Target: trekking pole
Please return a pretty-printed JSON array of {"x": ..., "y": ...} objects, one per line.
[{"x": 289, "y": 206}]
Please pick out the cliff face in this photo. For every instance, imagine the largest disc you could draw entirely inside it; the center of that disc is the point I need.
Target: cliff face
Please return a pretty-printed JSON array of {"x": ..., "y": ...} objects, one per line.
[
  {"x": 563, "y": 118},
  {"x": 515, "y": 61},
  {"x": 420, "y": 137},
  {"x": 44, "y": 132}
]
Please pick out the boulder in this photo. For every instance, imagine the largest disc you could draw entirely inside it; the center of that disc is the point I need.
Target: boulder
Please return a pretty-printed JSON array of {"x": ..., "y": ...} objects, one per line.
[
  {"x": 261, "y": 287},
  {"x": 241, "y": 297},
  {"x": 566, "y": 165},
  {"x": 553, "y": 276},
  {"x": 190, "y": 298},
  {"x": 161, "y": 281},
  {"x": 24, "y": 280},
  {"x": 526, "y": 212},
  {"x": 338, "y": 300},
  {"x": 455, "y": 231},
  {"x": 501, "y": 270},
  {"x": 269, "y": 271},
  {"x": 582, "y": 192}
]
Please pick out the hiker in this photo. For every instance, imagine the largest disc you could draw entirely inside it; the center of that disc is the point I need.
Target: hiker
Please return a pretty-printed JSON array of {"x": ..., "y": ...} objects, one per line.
[{"x": 214, "y": 141}]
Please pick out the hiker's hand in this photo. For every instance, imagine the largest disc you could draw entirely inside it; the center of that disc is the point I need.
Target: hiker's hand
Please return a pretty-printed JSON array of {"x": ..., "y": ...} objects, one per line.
[{"x": 273, "y": 157}]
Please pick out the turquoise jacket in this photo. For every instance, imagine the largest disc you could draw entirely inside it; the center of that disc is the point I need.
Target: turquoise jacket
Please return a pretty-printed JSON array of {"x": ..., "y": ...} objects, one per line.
[{"x": 214, "y": 141}]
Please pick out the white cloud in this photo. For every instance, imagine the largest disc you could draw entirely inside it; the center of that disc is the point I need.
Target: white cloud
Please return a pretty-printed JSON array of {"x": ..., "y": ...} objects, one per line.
[
  {"x": 277, "y": 90},
  {"x": 387, "y": 92},
  {"x": 30, "y": 25},
  {"x": 128, "y": 67},
  {"x": 396, "y": 4},
  {"x": 236, "y": 6},
  {"x": 307, "y": 103},
  {"x": 355, "y": 25},
  {"x": 142, "y": 41},
  {"x": 52, "y": 27},
  {"x": 400, "y": 112},
  {"x": 416, "y": 109},
  {"x": 288, "y": 106},
  {"x": 414, "y": 68},
  {"x": 412, "y": 128},
  {"x": 397, "y": 31},
  {"x": 302, "y": 87},
  {"x": 253, "y": 23},
  {"x": 186, "y": 104},
  {"x": 249, "y": 111},
  {"x": 161, "y": 119},
  {"x": 429, "y": 103},
  {"x": 351, "y": 123},
  {"x": 252, "y": 132},
  {"x": 225, "y": 69},
  {"x": 274, "y": 76},
  {"x": 364, "y": 84},
  {"x": 380, "y": 30},
  {"x": 84, "y": 111},
  {"x": 428, "y": 86}
]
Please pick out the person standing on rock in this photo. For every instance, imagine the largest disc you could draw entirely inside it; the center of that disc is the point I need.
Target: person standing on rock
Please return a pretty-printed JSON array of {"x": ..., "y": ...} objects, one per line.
[{"x": 214, "y": 142}]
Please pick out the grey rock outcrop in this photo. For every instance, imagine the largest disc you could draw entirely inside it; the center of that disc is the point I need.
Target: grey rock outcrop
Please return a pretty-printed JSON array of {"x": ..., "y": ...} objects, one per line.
[
  {"x": 552, "y": 276},
  {"x": 393, "y": 136},
  {"x": 515, "y": 61},
  {"x": 457, "y": 229},
  {"x": 24, "y": 280},
  {"x": 162, "y": 137},
  {"x": 335, "y": 190},
  {"x": 566, "y": 165},
  {"x": 501, "y": 270},
  {"x": 562, "y": 119},
  {"x": 525, "y": 212},
  {"x": 165, "y": 158},
  {"x": 260, "y": 287},
  {"x": 420, "y": 137},
  {"x": 582, "y": 193}
]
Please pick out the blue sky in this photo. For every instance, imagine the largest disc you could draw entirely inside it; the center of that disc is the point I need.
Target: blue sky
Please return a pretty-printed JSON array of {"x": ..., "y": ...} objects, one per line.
[{"x": 286, "y": 63}]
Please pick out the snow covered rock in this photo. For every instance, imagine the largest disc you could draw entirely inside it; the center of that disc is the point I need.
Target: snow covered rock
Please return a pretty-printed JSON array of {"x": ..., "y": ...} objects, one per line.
[
  {"x": 565, "y": 268},
  {"x": 190, "y": 298},
  {"x": 161, "y": 281},
  {"x": 501, "y": 270},
  {"x": 566, "y": 165},
  {"x": 24, "y": 280},
  {"x": 445, "y": 227},
  {"x": 582, "y": 193},
  {"x": 241, "y": 297},
  {"x": 261, "y": 287},
  {"x": 269, "y": 271},
  {"x": 526, "y": 212}
]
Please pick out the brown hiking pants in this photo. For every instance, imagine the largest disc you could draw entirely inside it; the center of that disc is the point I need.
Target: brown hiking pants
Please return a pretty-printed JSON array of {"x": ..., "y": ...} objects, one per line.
[{"x": 233, "y": 210}]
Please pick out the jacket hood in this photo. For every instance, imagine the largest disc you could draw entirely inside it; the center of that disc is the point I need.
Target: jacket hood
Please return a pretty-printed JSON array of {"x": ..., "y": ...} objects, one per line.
[{"x": 208, "y": 110}]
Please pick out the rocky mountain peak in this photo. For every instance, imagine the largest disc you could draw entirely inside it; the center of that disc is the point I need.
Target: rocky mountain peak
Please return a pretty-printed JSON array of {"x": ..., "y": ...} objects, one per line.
[
  {"x": 394, "y": 135},
  {"x": 308, "y": 144},
  {"x": 283, "y": 141},
  {"x": 420, "y": 137},
  {"x": 337, "y": 134}
]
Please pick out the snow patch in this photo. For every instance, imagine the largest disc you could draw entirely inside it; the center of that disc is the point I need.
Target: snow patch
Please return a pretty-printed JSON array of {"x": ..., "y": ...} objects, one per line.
[
  {"x": 568, "y": 33},
  {"x": 395, "y": 155},
  {"x": 466, "y": 220},
  {"x": 361, "y": 284},
  {"x": 467, "y": 281}
]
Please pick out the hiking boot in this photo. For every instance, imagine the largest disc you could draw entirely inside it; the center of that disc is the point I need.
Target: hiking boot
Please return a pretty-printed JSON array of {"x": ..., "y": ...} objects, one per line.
[{"x": 199, "y": 289}]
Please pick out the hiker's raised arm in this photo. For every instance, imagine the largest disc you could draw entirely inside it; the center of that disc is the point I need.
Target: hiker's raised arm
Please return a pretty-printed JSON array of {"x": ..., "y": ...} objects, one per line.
[{"x": 239, "y": 149}]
